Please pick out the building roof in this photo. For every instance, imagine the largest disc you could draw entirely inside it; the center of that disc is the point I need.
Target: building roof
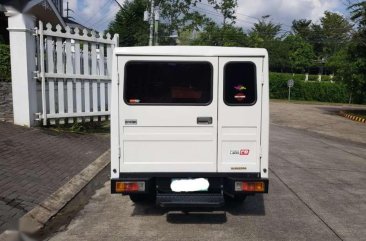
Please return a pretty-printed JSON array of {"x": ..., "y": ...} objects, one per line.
[
  {"x": 191, "y": 51},
  {"x": 44, "y": 10},
  {"x": 71, "y": 23}
]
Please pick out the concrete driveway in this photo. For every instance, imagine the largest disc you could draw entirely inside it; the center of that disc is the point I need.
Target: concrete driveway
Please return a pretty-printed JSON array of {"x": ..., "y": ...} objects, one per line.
[
  {"x": 320, "y": 118},
  {"x": 317, "y": 192}
]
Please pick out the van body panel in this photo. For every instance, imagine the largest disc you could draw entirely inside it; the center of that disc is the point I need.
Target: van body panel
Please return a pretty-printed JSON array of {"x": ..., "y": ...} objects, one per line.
[
  {"x": 239, "y": 126},
  {"x": 206, "y": 51},
  {"x": 168, "y": 138}
]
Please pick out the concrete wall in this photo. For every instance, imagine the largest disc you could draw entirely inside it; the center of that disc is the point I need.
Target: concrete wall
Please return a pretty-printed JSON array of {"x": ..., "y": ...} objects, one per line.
[{"x": 6, "y": 102}]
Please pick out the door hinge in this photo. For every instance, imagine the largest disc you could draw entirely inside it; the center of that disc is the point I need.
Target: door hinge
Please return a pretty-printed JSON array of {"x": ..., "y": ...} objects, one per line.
[
  {"x": 260, "y": 153},
  {"x": 35, "y": 31},
  {"x": 119, "y": 152},
  {"x": 117, "y": 78},
  {"x": 39, "y": 116},
  {"x": 36, "y": 75}
]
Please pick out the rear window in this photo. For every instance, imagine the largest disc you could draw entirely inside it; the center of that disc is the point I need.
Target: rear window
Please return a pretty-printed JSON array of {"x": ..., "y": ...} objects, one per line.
[
  {"x": 240, "y": 85},
  {"x": 168, "y": 83}
]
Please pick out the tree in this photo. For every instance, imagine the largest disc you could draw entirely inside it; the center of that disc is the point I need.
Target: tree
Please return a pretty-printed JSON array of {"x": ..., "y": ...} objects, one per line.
[
  {"x": 302, "y": 28},
  {"x": 358, "y": 13},
  {"x": 265, "y": 34},
  {"x": 129, "y": 24},
  {"x": 349, "y": 62},
  {"x": 279, "y": 55},
  {"x": 214, "y": 35},
  {"x": 178, "y": 16},
  {"x": 357, "y": 54},
  {"x": 265, "y": 30},
  {"x": 301, "y": 54},
  {"x": 227, "y": 8},
  {"x": 336, "y": 30}
]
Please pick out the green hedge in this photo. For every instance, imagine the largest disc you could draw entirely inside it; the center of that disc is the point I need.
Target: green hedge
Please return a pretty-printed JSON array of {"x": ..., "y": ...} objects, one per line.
[
  {"x": 287, "y": 76},
  {"x": 309, "y": 91},
  {"x": 5, "y": 73}
]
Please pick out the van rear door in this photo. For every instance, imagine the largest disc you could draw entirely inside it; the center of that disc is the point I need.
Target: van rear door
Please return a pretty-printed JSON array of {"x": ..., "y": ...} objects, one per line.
[
  {"x": 168, "y": 114},
  {"x": 239, "y": 118}
]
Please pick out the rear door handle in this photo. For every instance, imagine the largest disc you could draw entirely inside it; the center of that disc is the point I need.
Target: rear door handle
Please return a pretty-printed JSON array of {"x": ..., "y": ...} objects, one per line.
[{"x": 204, "y": 120}]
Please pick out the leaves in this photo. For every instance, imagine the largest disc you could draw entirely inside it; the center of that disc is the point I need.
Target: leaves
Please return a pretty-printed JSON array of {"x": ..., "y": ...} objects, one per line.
[
  {"x": 226, "y": 8},
  {"x": 301, "y": 54},
  {"x": 5, "y": 71},
  {"x": 129, "y": 24},
  {"x": 215, "y": 35}
]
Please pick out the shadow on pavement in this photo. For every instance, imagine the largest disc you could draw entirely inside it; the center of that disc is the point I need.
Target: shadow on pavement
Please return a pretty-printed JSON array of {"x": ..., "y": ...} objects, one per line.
[
  {"x": 252, "y": 206},
  {"x": 330, "y": 110},
  {"x": 196, "y": 218}
]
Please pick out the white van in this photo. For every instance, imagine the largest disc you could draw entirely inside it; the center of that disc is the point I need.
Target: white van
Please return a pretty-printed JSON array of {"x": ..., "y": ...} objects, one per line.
[{"x": 189, "y": 124}]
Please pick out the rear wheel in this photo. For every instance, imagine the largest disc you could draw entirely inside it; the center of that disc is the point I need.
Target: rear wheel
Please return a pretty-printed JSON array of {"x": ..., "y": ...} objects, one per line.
[{"x": 142, "y": 197}]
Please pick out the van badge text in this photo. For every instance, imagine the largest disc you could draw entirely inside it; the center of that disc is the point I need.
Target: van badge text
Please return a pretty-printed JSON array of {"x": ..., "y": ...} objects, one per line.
[
  {"x": 242, "y": 152},
  {"x": 130, "y": 122}
]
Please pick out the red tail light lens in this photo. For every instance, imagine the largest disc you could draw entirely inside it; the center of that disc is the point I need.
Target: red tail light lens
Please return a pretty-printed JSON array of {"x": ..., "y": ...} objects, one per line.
[
  {"x": 250, "y": 186},
  {"x": 130, "y": 186}
]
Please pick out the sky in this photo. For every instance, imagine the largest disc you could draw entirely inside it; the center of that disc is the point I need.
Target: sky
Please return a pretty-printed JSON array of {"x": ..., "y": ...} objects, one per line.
[{"x": 98, "y": 14}]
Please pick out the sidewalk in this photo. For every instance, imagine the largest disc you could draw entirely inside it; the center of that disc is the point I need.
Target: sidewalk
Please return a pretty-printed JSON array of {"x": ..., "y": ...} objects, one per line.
[{"x": 35, "y": 162}]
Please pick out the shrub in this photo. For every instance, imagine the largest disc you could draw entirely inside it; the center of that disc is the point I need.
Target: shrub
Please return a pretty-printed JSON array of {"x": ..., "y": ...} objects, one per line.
[
  {"x": 5, "y": 73},
  {"x": 309, "y": 91},
  {"x": 287, "y": 76}
]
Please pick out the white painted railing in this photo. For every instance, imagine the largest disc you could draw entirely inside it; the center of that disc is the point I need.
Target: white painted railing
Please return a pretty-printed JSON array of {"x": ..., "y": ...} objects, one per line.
[{"x": 74, "y": 70}]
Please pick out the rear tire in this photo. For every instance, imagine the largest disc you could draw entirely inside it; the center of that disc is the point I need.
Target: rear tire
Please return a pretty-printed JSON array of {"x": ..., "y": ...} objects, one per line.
[{"x": 142, "y": 197}]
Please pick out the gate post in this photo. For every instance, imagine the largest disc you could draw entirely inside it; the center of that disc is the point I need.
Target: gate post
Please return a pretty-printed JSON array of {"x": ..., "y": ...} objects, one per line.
[{"x": 23, "y": 65}]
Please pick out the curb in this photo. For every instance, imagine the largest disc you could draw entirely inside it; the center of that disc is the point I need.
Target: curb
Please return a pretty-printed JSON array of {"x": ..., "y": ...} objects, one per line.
[
  {"x": 59, "y": 208},
  {"x": 352, "y": 117}
]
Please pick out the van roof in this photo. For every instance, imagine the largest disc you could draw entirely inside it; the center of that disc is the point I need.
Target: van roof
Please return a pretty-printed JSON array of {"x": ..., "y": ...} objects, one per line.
[{"x": 191, "y": 51}]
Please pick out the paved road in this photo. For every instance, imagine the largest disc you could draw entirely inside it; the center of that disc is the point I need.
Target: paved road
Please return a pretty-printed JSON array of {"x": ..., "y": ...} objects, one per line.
[
  {"x": 35, "y": 162},
  {"x": 322, "y": 119},
  {"x": 317, "y": 192}
]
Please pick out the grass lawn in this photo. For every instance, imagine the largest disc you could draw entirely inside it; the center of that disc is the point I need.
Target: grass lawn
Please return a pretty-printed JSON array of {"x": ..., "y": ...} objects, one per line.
[{"x": 83, "y": 127}]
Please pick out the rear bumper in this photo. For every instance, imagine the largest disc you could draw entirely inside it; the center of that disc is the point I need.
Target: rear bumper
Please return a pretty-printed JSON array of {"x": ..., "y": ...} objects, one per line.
[
  {"x": 159, "y": 183},
  {"x": 183, "y": 201}
]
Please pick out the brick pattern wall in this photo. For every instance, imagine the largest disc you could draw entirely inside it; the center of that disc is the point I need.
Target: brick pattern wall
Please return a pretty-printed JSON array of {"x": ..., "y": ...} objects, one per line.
[{"x": 6, "y": 102}]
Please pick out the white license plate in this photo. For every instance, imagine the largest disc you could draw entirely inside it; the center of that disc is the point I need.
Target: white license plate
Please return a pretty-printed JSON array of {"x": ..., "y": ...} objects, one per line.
[{"x": 189, "y": 185}]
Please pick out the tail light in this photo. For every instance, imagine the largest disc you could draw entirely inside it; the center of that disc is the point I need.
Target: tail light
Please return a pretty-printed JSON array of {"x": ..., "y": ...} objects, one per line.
[
  {"x": 249, "y": 186},
  {"x": 130, "y": 186}
]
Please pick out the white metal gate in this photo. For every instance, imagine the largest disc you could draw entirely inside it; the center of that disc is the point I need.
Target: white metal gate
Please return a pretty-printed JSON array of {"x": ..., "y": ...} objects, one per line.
[{"x": 75, "y": 69}]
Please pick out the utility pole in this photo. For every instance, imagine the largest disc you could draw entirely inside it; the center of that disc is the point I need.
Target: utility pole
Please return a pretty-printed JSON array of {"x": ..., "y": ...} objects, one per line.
[
  {"x": 153, "y": 18},
  {"x": 151, "y": 22},
  {"x": 157, "y": 16}
]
